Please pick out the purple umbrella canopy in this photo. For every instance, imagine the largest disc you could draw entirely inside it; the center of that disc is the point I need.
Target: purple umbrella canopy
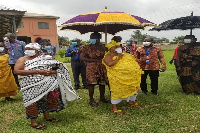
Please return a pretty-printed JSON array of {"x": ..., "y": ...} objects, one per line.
[{"x": 113, "y": 22}]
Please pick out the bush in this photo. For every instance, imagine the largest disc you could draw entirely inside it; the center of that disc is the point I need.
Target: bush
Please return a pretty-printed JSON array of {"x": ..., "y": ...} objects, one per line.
[
  {"x": 67, "y": 60},
  {"x": 61, "y": 53}
]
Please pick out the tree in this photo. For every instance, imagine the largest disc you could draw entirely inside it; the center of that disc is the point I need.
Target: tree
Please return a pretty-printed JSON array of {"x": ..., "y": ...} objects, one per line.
[
  {"x": 63, "y": 40},
  {"x": 138, "y": 36},
  {"x": 176, "y": 39},
  {"x": 165, "y": 40}
]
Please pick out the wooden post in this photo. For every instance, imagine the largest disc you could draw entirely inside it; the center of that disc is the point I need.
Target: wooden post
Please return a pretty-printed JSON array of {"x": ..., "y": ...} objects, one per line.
[{"x": 106, "y": 34}]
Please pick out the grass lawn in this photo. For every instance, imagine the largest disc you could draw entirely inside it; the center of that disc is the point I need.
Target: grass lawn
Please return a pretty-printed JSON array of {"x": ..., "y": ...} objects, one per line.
[{"x": 170, "y": 112}]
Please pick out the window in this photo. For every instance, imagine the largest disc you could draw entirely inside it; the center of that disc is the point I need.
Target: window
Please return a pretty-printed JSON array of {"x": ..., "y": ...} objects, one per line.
[
  {"x": 43, "y": 25},
  {"x": 21, "y": 25}
]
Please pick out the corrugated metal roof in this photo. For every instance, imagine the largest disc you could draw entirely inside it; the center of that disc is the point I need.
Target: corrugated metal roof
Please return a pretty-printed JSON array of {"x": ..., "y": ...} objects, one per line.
[
  {"x": 7, "y": 16},
  {"x": 35, "y": 15}
]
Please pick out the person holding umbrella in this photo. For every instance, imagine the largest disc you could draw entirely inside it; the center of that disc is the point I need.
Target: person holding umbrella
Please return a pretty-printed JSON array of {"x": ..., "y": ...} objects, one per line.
[
  {"x": 188, "y": 62},
  {"x": 92, "y": 56}
]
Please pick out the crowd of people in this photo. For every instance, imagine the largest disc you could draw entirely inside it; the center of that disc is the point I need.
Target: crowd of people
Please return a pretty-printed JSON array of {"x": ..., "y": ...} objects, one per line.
[{"x": 46, "y": 86}]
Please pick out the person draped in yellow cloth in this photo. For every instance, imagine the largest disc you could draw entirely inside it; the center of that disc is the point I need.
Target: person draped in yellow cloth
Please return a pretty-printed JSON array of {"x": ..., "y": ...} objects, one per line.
[
  {"x": 7, "y": 82},
  {"x": 124, "y": 74}
]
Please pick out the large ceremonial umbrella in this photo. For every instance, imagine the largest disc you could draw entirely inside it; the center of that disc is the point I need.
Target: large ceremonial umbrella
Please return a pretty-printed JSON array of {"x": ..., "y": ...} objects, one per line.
[
  {"x": 107, "y": 22},
  {"x": 183, "y": 23}
]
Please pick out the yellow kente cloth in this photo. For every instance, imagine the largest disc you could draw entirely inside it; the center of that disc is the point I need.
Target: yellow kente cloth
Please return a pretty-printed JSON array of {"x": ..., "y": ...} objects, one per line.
[
  {"x": 8, "y": 86},
  {"x": 124, "y": 77}
]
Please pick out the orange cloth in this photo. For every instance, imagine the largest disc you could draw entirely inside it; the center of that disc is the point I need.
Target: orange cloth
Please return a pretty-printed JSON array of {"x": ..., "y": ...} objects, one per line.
[
  {"x": 8, "y": 86},
  {"x": 154, "y": 57}
]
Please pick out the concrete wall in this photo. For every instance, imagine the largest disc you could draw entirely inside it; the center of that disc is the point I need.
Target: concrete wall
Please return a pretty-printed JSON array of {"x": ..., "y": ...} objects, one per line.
[{"x": 31, "y": 29}]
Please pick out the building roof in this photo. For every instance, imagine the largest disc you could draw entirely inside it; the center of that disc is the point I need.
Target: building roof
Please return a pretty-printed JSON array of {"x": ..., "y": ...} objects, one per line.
[
  {"x": 9, "y": 18},
  {"x": 35, "y": 15}
]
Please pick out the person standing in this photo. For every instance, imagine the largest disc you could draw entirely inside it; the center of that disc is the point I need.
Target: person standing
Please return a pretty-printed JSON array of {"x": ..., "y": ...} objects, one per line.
[
  {"x": 124, "y": 75},
  {"x": 180, "y": 43},
  {"x": 7, "y": 82},
  {"x": 15, "y": 49},
  {"x": 45, "y": 84},
  {"x": 188, "y": 62},
  {"x": 148, "y": 57},
  {"x": 78, "y": 66},
  {"x": 130, "y": 47},
  {"x": 92, "y": 56}
]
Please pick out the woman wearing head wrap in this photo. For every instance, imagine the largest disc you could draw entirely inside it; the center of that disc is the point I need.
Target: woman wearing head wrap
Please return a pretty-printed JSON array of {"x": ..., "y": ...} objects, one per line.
[
  {"x": 45, "y": 85},
  {"x": 7, "y": 82},
  {"x": 124, "y": 75}
]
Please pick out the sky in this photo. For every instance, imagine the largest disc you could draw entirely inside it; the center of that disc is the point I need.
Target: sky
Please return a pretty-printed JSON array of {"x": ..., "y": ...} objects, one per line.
[{"x": 156, "y": 11}]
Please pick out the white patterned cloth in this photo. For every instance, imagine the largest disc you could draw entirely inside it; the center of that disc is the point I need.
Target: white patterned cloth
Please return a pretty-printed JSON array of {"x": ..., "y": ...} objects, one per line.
[{"x": 34, "y": 87}]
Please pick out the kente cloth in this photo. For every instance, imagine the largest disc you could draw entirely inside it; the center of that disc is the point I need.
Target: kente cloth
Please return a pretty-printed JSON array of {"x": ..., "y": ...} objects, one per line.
[
  {"x": 124, "y": 77},
  {"x": 188, "y": 66},
  {"x": 34, "y": 87},
  {"x": 7, "y": 82},
  {"x": 95, "y": 71}
]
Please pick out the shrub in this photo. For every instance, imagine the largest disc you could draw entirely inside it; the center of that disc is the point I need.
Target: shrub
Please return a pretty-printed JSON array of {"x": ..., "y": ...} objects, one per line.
[
  {"x": 61, "y": 53},
  {"x": 67, "y": 60}
]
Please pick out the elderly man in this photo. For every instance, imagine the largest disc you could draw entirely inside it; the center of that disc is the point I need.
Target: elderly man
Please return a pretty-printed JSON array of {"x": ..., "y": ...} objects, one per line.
[
  {"x": 148, "y": 57},
  {"x": 15, "y": 49},
  {"x": 188, "y": 62},
  {"x": 78, "y": 66}
]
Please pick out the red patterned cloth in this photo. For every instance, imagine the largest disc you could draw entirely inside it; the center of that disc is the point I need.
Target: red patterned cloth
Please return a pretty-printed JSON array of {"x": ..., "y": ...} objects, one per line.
[
  {"x": 154, "y": 57},
  {"x": 95, "y": 71}
]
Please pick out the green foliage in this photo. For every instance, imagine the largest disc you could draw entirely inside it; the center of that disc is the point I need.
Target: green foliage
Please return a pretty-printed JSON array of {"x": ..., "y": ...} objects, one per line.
[
  {"x": 61, "y": 53},
  {"x": 138, "y": 36},
  {"x": 67, "y": 60},
  {"x": 63, "y": 40},
  {"x": 178, "y": 38},
  {"x": 165, "y": 40}
]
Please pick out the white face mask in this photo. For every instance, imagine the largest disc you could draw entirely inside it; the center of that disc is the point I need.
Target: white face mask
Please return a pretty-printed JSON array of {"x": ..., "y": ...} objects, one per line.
[
  {"x": 146, "y": 43},
  {"x": 118, "y": 50},
  {"x": 30, "y": 52},
  {"x": 1, "y": 49},
  {"x": 6, "y": 39},
  {"x": 187, "y": 40}
]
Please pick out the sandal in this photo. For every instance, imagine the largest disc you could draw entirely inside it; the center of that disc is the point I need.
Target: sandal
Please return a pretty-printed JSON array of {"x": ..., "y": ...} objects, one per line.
[
  {"x": 134, "y": 105},
  {"x": 10, "y": 99},
  {"x": 39, "y": 126},
  {"x": 94, "y": 104},
  {"x": 119, "y": 112},
  {"x": 53, "y": 120}
]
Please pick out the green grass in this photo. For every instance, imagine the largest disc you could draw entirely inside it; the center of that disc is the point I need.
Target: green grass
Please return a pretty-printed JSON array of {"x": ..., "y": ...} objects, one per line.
[{"x": 170, "y": 112}]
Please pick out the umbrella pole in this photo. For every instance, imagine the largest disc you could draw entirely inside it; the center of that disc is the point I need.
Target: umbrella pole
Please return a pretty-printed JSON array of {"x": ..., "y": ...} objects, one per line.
[
  {"x": 190, "y": 31},
  {"x": 105, "y": 34}
]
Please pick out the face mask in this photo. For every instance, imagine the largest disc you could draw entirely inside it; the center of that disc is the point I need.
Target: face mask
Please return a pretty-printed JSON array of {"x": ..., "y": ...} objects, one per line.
[
  {"x": 146, "y": 43},
  {"x": 1, "y": 49},
  {"x": 30, "y": 52},
  {"x": 187, "y": 40},
  {"x": 93, "y": 41},
  {"x": 47, "y": 47},
  {"x": 74, "y": 43},
  {"x": 128, "y": 43},
  {"x": 6, "y": 39},
  {"x": 118, "y": 50}
]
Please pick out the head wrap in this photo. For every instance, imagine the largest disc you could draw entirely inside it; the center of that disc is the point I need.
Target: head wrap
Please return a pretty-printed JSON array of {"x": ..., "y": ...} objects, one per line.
[
  {"x": 41, "y": 42},
  {"x": 112, "y": 44},
  {"x": 35, "y": 46}
]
